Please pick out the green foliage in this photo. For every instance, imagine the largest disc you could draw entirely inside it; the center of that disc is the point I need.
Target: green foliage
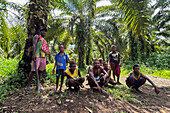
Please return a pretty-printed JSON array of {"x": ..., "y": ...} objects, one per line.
[
  {"x": 7, "y": 67},
  {"x": 136, "y": 15},
  {"x": 156, "y": 65},
  {"x": 50, "y": 78},
  {"x": 159, "y": 60}
]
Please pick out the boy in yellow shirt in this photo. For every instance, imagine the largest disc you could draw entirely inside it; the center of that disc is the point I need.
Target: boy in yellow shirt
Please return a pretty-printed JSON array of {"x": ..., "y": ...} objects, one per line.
[{"x": 74, "y": 77}]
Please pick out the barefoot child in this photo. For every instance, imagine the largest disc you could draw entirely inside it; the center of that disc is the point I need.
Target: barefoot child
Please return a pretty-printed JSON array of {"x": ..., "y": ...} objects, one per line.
[
  {"x": 96, "y": 76},
  {"x": 137, "y": 79},
  {"x": 72, "y": 77},
  {"x": 61, "y": 60},
  {"x": 115, "y": 63}
]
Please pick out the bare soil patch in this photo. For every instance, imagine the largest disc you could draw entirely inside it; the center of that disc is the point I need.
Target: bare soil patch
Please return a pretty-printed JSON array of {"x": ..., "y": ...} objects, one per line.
[{"x": 87, "y": 101}]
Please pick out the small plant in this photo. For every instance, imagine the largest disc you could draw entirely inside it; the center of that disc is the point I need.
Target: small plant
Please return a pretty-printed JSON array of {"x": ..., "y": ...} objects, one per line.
[{"x": 59, "y": 101}]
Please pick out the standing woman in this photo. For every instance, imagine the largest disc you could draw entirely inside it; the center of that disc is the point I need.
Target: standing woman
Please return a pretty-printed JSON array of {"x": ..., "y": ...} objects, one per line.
[{"x": 115, "y": 63}]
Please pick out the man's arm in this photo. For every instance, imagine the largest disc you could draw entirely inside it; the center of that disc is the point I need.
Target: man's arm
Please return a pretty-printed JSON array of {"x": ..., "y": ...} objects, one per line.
[
  {"x": 67, "y": 59},
  {"x": 35, "y": 39},
  {"x": 109, "y": 73},
  {"x": 92, "y": 75},
  {"x": 156, "y": 88}
]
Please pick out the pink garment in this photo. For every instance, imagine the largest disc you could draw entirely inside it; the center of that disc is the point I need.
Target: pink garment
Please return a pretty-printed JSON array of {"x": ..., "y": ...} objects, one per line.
[
  {"x": 117, "y": 70},
  {"x": 41, "y": 64}
]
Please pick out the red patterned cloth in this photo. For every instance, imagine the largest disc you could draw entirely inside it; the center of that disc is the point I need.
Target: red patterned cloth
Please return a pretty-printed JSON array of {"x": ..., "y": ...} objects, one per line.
[
  {"x": 45, "y": 47},
  {"x": 117, "y": 70}
]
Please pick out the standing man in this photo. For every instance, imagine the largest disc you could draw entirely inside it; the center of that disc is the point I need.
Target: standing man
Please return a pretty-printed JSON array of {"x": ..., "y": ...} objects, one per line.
[
  {"x": 115, "y": 63},
  {"x": 39, "y": 56}
]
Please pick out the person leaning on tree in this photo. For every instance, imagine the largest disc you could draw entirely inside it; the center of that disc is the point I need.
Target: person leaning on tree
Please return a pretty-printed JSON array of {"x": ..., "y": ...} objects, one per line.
[{"x": 39, "y": 56}]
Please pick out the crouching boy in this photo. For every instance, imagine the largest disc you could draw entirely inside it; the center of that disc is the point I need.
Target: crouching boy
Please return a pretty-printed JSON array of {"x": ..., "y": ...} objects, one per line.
[
  {"x": 96, "y": 76},
  {"x": 137, "y": 79},
  {"x": 72, "y": 77}
]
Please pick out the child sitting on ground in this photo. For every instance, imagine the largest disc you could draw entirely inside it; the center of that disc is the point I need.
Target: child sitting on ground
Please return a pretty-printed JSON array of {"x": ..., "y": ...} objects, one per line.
[
  {"x": 72, "y": 77},
  {"x": 96, "y": 76},
  {"x": 108, "y": 79}
]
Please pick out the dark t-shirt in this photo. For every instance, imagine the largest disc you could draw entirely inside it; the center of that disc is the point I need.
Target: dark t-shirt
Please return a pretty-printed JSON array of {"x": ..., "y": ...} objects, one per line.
[{"x": 114, "y": 57}]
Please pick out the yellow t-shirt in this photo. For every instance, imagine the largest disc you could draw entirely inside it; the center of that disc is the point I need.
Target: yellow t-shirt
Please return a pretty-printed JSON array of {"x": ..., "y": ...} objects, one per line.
[{"x": 75, "y": 74}]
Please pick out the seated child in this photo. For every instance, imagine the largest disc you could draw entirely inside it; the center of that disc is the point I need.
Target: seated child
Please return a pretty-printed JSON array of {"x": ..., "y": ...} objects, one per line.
[
  {"x": 96, "y": 76},
  {"x": 108, "y": 79},
  {"x": 101, "y": 61},
  {"x": 137, "y": 79},
  {"x": 72, "y": 73}
]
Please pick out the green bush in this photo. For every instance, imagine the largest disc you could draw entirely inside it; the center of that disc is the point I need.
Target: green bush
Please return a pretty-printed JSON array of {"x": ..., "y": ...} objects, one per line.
[
  {"x": 156, "y": 65},
  {"x": 7, "y": 67},
  {"x": 159, "y": 60}
]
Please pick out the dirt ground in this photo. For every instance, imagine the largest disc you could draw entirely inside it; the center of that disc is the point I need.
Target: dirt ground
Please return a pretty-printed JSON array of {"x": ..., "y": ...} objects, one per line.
[{"x": 89, "y": 101}]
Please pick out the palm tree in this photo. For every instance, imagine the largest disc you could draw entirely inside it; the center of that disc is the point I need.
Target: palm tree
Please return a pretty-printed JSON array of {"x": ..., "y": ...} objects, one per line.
[
  {"x": 79, "y": 25},
  {"x": 11, "y": 39}
]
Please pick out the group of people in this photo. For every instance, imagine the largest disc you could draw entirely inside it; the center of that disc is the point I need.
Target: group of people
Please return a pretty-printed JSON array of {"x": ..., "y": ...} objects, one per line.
[{"x": 98, "y": 76}]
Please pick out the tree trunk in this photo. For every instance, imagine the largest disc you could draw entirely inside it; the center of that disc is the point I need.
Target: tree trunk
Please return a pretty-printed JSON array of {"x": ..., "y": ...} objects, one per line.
[
  {"x": 142, "y": 49},
  {"x": 37, "y": 18},
  {"x": 88, "y": 42},
  {"x": 133, "y": 47},
  {"x": 80, "y": 43}
]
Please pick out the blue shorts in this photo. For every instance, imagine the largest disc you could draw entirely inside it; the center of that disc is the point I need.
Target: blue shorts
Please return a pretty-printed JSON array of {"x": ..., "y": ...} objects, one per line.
[{"x": 136, "y": 83}]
